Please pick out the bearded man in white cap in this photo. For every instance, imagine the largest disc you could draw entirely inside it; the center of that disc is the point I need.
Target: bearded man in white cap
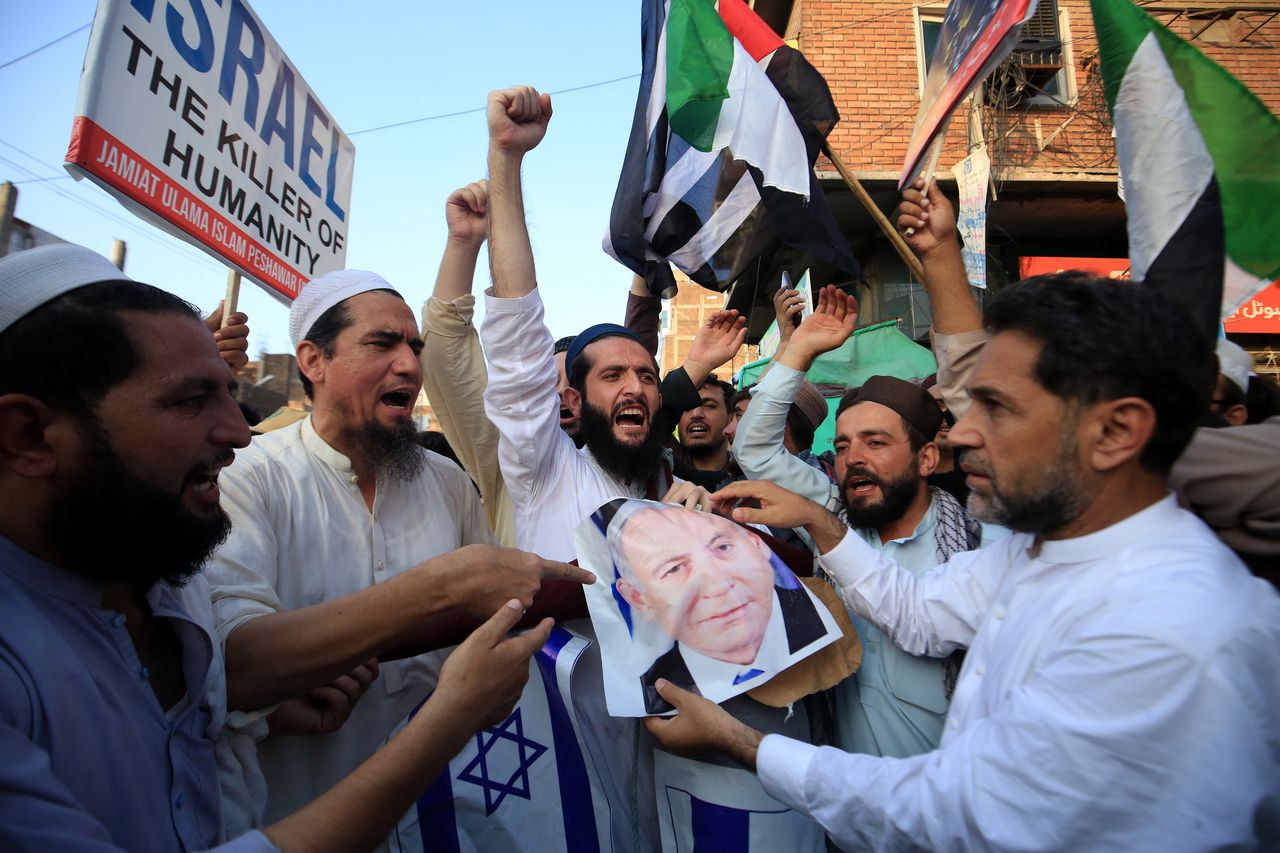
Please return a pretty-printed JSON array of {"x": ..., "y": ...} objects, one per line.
[{"x": 332, "y": 520}]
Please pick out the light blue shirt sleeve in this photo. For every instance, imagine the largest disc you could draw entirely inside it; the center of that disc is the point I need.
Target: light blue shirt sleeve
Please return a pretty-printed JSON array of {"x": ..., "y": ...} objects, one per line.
[{"x": 758, "y": 444}]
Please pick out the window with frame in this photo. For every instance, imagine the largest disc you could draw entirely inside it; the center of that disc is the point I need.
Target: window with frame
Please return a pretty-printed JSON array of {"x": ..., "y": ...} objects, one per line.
[{"x": 1035, "y": 73}]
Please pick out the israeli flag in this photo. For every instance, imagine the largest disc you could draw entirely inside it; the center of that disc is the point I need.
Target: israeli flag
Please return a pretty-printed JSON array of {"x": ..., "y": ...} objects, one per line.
[
  {"x": 522, "y": 785},
  {"x": 705, "y": 807}
]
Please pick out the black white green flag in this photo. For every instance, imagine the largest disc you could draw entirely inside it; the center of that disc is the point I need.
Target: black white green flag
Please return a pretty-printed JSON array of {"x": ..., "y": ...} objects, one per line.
[
  {"x": 719, "y": 166},
  {"x": 1200, "y": 158}
]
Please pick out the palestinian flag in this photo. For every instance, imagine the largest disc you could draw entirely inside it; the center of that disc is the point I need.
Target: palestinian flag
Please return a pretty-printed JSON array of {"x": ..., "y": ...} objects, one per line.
[
  {"x": 719, "y": 167},
  {"x": 1200, "y": 159}
]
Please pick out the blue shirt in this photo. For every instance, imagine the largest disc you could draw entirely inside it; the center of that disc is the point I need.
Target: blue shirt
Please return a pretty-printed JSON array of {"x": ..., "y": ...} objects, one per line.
[{"x": 90, "y": 759}]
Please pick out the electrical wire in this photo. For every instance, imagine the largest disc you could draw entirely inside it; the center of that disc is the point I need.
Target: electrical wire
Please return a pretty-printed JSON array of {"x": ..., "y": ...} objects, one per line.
[
  {"x": 34, "y": 51},
  {"x": 482, "y": 109}
]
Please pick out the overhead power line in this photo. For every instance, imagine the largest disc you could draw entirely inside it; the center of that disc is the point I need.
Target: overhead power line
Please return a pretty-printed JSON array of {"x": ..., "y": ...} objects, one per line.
[
  {"x": 482, "y": 109},
  {"x": 50, "y": 44}
]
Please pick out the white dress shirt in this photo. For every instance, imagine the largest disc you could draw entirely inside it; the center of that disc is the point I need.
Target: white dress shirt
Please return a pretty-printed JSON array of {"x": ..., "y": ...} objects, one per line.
[
  {"x": 302, "y": 535},
  {"x": 553, "y": 485},
  {"x": 1121, "y": 691}
]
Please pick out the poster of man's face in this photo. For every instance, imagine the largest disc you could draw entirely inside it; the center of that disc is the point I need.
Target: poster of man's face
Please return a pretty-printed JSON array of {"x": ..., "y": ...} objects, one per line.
[{"x": 693, "y": 598}]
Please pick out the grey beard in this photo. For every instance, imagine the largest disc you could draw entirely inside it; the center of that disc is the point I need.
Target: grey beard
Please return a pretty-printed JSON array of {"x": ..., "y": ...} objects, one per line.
[{"x": 392, "y": 451}]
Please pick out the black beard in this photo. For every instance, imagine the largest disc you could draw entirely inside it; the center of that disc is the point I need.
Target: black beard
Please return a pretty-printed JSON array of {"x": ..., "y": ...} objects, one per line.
[
  {"x": 392, "y": 450},
  {"x": 112, "y": 526},
  {"x": 895, "y": 497},
  {"x": 625, "y": 463}
]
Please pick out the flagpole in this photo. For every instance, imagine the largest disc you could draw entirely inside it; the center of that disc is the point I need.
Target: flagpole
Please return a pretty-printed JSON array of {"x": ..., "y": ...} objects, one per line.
[
  {"x": 904, "y": 251},
  {"x": 233, "y": 296}
]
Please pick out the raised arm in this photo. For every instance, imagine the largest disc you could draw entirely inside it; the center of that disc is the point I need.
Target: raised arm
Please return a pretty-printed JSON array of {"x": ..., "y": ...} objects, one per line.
[
  {"x": 935, "y": 239},
  {"x": 758, "y": 442},
  {"x": 958, "y": 332},
  {"x": 518, "y": 119},
  {"x": 466, "y": 213},
  {"x": 453, "y": 365}
]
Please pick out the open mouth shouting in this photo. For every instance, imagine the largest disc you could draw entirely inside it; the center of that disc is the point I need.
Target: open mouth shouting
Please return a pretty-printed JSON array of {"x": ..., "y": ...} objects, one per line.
[
  {"x": 399, "y": 402},
  {"x": 860, "y": 484},
  {"x": 631, "y": 418},
  {"x": 697, "y": 429}
]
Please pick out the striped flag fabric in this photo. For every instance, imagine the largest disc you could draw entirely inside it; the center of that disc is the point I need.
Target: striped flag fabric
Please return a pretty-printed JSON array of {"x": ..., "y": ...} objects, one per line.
[
  {"x": 716, "y": 807},
  {"x": 527, "y": 784},
  {"x": 719, "y": 166},
  {"x": 1200, "y": 158}
]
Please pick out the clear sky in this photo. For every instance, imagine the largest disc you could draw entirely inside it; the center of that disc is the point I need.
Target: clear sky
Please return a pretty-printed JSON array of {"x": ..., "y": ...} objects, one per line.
[{"x": 373, "y": 64}]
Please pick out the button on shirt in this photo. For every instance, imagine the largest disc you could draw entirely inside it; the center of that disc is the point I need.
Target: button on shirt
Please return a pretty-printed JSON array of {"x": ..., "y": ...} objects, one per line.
[
  {"x": 88, "y": 758},
  {"x": 302, "y": 534},
  {"x": 1120, "y": 692}
]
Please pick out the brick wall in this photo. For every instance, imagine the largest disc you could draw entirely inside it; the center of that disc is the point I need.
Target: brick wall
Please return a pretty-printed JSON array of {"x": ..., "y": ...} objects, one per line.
[{"x": 868, "y": 52}]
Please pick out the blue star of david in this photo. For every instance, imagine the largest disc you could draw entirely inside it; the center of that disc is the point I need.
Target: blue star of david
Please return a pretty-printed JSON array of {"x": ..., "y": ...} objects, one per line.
[{"x": 496, "y": 791}]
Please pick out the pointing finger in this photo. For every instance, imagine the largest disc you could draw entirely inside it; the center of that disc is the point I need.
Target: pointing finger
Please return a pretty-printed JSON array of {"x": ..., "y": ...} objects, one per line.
[{"x": 552, "y": 570}]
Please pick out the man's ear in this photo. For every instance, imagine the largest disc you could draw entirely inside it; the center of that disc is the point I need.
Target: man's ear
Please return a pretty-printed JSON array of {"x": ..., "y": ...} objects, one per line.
[
  {"x": 573, "y": 399},
  {"x": 1116, "y": 431},
  {"x": 311, "y": 362},
  {"x": 632, "y": 595},
  {"x": 928, "y": 458},
  {"x": 1237, "y": 415},
  {"x": 29, "y": 436}
]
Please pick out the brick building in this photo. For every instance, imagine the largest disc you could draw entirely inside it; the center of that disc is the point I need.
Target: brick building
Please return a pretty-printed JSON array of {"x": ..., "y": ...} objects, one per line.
[
  {"x": 681, "y": 319},
  {"x": 1043, "y": 122}
]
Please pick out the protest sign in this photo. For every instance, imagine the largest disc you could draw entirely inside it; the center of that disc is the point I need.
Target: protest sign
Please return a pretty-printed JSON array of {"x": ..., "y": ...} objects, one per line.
[
  {"x": 976, "y": 35},
  {"x": 693, "y": 598},
  {"x": 195, "y": 120},
  {"x": 972, "y": 174}
]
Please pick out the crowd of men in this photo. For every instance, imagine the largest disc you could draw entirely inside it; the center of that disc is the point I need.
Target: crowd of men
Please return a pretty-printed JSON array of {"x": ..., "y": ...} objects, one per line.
[{"x": 209, "y": 639}]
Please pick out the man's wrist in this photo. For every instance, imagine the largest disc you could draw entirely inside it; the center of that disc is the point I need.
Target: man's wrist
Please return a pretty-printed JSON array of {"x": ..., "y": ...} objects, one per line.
[
  {"x": 945, "y": 249},
  {"x": 743, "y": 744},
  {"x": 463, "y": 244},
  {"x": 504, "y": 156},
  {"x": 826, "y": 529},
  {"x": 797, "y": 358}
]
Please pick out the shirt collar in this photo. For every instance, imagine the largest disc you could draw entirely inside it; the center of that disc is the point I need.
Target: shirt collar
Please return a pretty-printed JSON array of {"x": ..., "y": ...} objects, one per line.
[
  {"x": 46, "y": 578},
  {"x": 1161, "y": 515},
  {"x": 321, "y": 449},
  {"x": 707, "y": 671},
  {"x": 925, "y": 524}
]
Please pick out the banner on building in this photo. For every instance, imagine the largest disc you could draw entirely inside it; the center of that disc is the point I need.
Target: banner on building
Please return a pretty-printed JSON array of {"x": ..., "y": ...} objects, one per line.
[
  {"x": 192, "y": 116},
  {"x": 1259, "y": 315},
  {"x": 972, "y": 174},
  {"x": 976, "y": 36},
  {"x": 1106, "y": 267}
]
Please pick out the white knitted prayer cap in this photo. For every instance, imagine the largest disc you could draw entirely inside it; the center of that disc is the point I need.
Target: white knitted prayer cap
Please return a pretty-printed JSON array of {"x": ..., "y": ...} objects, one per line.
[
  {"x": 32, "y": 277},
  {"x": 1234, "y": 363},
  {"x": 321, "y": 294}
]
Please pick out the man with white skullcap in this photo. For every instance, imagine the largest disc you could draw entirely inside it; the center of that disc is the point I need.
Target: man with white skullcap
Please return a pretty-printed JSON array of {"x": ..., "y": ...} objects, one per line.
[
  {"x": 1234, "y": 367},
  {"x": 116, "y": 419},
  {"x": 333, "y": 518}
]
